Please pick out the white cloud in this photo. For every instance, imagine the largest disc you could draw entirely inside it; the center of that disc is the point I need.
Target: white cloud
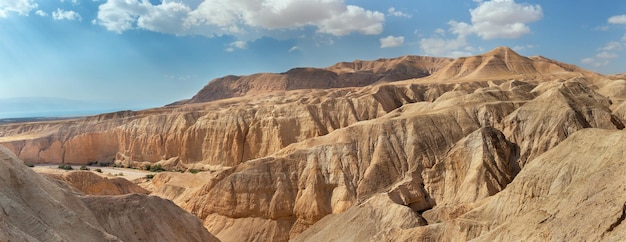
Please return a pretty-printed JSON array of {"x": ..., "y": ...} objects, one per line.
[
  {"x": 522, "y": 47},
  {"x": 440, "y": 31},
  {"x": 393, "y": 12},
  {"x": 21, "y": 7},
  {"x": 499, "y": 19},
  {"x": 624, "y": 38},
  {"x": 612, "y": 46},
  {"x": 441, "y": 47},
  {"x": 355, "y": 19},
  {"x": 391, "y": 41},
  {"x": 295, "y": 48},
  {"x": 74, "y": 2},
  {"x": 619, "y": 19},
  {"x": 606, "y": 55},
  {"x": 121, "y": 15},
  {"x": 41, "y": 13},
  {"x": 61, "y": 14},
  {"x": 237, "y": 45},
  {"x": 595, "y": 62},
  {"x": 239, "y": 17}
]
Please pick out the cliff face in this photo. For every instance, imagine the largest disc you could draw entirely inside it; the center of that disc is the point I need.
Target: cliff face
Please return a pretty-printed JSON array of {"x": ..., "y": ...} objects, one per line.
[
  {"x": 36, "y": 209},
  {"x": 400, "y": 160}
]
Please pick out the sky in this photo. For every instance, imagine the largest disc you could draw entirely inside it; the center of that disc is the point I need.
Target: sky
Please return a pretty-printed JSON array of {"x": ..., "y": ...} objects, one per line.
[{"x": 134, "y": 54}]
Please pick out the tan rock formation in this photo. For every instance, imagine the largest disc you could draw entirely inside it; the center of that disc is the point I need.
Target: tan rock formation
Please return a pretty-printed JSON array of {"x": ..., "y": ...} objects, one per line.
[
  {"x": 549, "y": 199},
  {"x": 35, "y": 209},
  {"x": 345, "y": 74},
  {"x": 90, "y": 183},
  {"x": 327, "y": 175},
  {"x": 294, "y": 164},
  {"x": 555, "y": 114},
  {"x": 503, "y": 62}
]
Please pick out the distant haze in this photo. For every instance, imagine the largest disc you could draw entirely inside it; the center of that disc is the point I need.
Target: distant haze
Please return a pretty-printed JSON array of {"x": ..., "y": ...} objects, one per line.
[{"x": 49, "y": 107}]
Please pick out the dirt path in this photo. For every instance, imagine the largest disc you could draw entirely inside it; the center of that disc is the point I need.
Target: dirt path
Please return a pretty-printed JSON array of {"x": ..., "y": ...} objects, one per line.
[{"x": 129, "y": 174}]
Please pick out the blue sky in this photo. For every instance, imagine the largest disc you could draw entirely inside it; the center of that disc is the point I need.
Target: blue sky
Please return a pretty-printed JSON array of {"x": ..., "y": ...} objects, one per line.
[{"x": 147, "y": 53}]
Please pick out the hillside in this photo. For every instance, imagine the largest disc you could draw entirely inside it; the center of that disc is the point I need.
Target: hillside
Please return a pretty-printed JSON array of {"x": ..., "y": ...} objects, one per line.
[
  {"x": 496, "y": 146},
  {"x": 344, "y": 74},
  {"x": 36, "y": 209}
]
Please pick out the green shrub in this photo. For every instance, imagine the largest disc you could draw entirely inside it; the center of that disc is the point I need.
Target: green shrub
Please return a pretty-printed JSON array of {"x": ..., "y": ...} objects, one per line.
[
  {"x": 84, "y": 168},
  {"x": 29, "y": 164},
  {"x": 194, "y": 171},
  {"x": 98, "y": 170},
  {"x": 150, "y": 176},
  {"x": 156, "y": 168},
  {"x": 66, "y": 167}
]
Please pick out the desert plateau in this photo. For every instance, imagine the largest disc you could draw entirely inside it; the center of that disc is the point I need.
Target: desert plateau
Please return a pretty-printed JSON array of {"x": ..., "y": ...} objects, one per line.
[{"x": 490, "y": 147}]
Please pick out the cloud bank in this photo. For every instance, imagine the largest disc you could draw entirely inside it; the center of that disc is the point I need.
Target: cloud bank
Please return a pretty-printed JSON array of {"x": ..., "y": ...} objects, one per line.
[
  {"x": 21, "y": 7},
  {"x": 495, "y": 19},
  {"x": 239, "y": 17}
]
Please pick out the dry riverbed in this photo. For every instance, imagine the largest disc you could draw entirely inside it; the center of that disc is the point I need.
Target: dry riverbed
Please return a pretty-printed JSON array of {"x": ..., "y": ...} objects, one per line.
[{"x": 129, "y": 174}]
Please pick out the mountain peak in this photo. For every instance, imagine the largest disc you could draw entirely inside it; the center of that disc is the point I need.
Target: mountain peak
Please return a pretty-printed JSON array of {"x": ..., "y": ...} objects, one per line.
[{"x": 504, "y": 63}]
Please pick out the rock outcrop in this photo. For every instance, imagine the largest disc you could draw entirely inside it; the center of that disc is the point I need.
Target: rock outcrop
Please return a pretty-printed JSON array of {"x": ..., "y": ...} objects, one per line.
[
  {"x": 389, "y": 159},
  {"x": 550, "y": 198},
  {"x": 36, "y": 209},
  {"x": 90, "y": 183}
]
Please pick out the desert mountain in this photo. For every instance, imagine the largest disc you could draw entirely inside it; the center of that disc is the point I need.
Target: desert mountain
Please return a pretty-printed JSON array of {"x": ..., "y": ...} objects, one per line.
[
  {"x": 461, "y": 149},
  {"x": 344, "y": 74},
  {"x": 36, "y": 209},
  {"x": 504, "y": 63}
]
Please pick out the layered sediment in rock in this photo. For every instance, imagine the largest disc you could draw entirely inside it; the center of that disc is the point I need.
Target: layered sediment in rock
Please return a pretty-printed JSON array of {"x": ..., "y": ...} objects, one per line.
[
  {"x": 406, "y": 160},
  {"x": 90, "y": 183},
  {"x": 35, "y": 209},
  {"x": 549, "y": 198},
  {"x": 345, "y": 74}
]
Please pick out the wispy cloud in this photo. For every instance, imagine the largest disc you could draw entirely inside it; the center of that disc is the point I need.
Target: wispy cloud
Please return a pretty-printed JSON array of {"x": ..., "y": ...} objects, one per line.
[
  {"x": 611, "y": 50},
  {"x": 61, "y": 14},
  {"x": 396, "y": 13},
  {"x": 237, "y": 45},
  {"x": 41, "y": 13},
  {"x": 619, "y": 19},
  {"x": 391, "y": 41}
]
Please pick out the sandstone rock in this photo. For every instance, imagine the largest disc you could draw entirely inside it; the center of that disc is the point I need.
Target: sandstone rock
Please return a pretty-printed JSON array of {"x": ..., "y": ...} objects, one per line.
[
  {"x": 300, "y": 159},
  {"x": 550, "y": 197},
  {"x": 370, "y": 221},
  {"x": 35, "y": 209},
  {"x": 554, "y": 115},
  {"x": 503, "y": 62},
  {"x": 345, "y": 74},
  {"x": 90, "y": 183},
  {"x": 136, "y": 217},
  {"x": 329, "y": 174}
]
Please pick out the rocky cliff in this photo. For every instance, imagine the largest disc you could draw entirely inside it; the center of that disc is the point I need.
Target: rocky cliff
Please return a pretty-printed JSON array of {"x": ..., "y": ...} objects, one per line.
[
  {"x": 36, "y": 209},
  {"x": 392, "y": 160}
]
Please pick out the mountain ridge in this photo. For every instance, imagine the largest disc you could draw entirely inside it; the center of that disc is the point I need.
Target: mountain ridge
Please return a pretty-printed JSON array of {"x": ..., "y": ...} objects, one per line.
[
  {"x": 501, "y": 62},
  {"x": 397, "y": 160}
]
